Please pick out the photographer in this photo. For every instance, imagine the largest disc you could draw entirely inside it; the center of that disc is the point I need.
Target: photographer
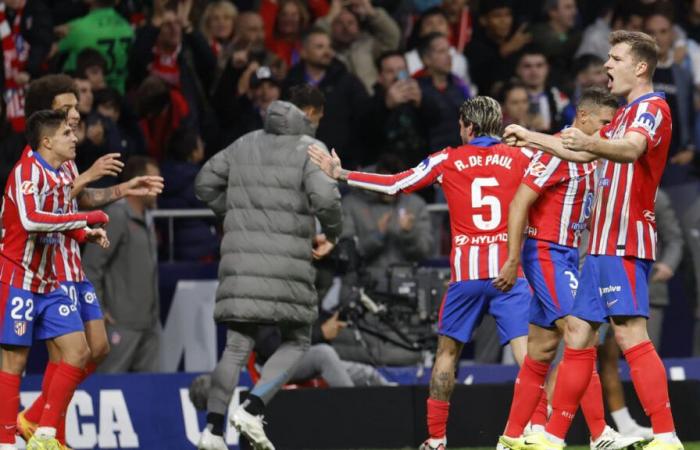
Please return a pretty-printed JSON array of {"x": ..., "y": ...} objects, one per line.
[
  {"x": 396, "y": 123},
  {"x": 388, "y": 229}
]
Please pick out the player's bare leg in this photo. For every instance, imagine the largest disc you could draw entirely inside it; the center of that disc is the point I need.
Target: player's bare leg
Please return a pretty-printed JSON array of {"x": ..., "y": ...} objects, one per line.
[
  {"x": 519, "y": 348},
  {"x": 648, "y": 376},
  {"x": 442, "y": 383},
  {"x": 609, "y": 357}
]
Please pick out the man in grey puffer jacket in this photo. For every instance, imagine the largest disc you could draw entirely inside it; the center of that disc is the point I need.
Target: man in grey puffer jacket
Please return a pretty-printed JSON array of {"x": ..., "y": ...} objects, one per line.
[{"x": 269, "y": 193}]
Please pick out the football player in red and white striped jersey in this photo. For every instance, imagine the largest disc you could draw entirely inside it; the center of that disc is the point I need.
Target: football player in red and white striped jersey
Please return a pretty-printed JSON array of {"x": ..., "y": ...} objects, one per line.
[
  {"x": 58, "y": 92},
  {"x": 479, "y": 180},
  {"x": 32, "y": 306},
  {"x": 553, "y": 205},
  {"x": 614, "y": 279}
]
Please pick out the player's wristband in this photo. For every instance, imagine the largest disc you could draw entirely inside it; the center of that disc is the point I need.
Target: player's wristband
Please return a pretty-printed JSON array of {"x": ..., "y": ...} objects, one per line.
[{"x": 79, "y": 235}]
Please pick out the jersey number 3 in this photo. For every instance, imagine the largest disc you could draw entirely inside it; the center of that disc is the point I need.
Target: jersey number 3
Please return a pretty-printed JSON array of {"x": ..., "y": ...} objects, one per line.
[{"x": 479, "y": 200}]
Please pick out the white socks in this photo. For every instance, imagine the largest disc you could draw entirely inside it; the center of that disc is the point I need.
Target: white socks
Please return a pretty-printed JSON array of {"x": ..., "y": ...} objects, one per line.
[
  {"x": 554, "y": 439},
  {"x": 666, "y": 437},
  {"x": 623, "y": 420},
  {"x": 45, "y": 432}
]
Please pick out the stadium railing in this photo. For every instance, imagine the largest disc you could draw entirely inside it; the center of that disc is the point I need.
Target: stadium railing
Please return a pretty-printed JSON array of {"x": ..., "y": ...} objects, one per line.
[{"x": 170, "y": 215}]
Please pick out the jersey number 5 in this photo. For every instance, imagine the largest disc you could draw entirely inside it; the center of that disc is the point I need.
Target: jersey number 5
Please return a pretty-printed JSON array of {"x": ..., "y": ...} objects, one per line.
[{"x": 479, "y": 200}]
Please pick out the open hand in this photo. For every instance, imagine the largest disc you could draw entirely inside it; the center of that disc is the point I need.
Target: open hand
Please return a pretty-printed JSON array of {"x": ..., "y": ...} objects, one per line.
[
  {"x": 97, "y": 236},
  {"x": 329, "y": 164},
  {"x": 146, "y": 185},
  {"x": 106, "y": 165}
]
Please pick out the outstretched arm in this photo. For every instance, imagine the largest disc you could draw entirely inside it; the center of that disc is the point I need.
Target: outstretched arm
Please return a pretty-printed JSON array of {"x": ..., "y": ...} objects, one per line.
[
  {"x": 518, "y": 136},
  {"x": 106, "y": 165},
  {"x": 408, "y": 181},
  {"x": 89, "y": 198}
]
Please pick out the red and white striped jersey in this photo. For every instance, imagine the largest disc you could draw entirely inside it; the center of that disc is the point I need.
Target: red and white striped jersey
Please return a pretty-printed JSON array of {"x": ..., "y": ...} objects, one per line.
[
  {"x": 32, "y": 217},
  {"x": 561, "y": 212},
  {"x": 68, "y": 265},
  {"x": 623, "y": 221},
  {"x": 479, "y": 181}
]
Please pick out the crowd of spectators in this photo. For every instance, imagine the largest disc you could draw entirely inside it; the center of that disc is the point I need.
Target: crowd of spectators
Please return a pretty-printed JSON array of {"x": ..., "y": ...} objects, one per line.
[{"x": 177, "y": 81}]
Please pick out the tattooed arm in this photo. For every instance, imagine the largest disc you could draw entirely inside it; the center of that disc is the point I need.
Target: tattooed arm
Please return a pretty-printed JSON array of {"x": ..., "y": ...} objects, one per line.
[{"x": 89, "y": 198}]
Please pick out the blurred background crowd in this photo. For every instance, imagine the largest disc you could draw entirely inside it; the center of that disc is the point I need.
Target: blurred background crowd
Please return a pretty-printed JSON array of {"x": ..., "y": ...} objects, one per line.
[{"x": 178, "y": 80}]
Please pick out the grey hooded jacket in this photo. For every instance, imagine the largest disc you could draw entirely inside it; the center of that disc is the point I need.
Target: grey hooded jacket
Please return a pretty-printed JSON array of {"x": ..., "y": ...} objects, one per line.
[{"x": 269, "y": 191}]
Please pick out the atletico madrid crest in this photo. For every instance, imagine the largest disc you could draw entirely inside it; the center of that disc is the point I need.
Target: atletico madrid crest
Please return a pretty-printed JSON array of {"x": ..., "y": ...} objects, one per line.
[{"x": 20, "y": 327}]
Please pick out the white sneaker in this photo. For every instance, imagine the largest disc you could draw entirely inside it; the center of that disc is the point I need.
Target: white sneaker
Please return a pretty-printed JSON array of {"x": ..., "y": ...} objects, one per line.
[
  {"x": 210, "y": 441},
  {"x": 638, "y": 430},
  {"x": 434, "y": 444},
  {"x": 612, "y": 440},
  {"x": 8, "y": 447},
  {"x": 251, "y": 427}
]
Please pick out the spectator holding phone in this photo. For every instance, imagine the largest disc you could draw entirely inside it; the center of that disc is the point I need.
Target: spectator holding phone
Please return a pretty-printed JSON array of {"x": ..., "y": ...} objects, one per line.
[{"x": 396, "y": 125}]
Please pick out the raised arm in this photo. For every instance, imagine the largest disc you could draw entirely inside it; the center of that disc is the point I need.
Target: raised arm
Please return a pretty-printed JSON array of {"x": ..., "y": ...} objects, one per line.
[
  {"x": 407, "y": 181},
  {"x": 521, "y": 137},
  {"x": 625, "y": 150},
  {"x": 517, "y": 220},
  {"x": 36, "y": 220},
  {"x": 89, "y": 198}
]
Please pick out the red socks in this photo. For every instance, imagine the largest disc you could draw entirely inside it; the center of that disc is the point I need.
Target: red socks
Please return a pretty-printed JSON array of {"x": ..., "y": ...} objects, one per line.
[
  {"x": 572, "y": 381},
  {"x": 33, "y": 413},
  {"x": 61, "y": 429},
  {"x": 65, "y": 379},
  {"x": 592, "y": 406},
  {"x": 437, "y": 418},
  {"x": 539, "y": 417},
  {"x": 649, "y": 379},
  {"x": 9, "y": 406},
  {"x": 528, "y": 392}
]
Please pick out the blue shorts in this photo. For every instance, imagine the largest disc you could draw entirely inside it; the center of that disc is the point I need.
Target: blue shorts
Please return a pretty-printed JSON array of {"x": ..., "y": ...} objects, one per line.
[
  {"x": 466, "y": 302},
  {"x": 28, "y": 316},
  {"x": 613, "y": 286},
  {"x": 85, "y": 298},
  {"x": 552, "y": 271}
]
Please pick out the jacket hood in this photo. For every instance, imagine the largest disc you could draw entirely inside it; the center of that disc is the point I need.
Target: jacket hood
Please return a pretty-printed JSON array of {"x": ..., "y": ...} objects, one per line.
[{"x": 285, "y": 118}]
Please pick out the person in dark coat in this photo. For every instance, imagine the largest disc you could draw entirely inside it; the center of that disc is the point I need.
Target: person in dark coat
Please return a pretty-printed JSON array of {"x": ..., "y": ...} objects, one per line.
[
  {"x": 346, "y": 98},
  {"x": 195, "y": 239}
]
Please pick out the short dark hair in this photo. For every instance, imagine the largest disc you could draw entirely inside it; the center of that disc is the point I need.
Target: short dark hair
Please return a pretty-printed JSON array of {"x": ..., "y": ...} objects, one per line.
[
  {"x": 642, "y": 46},
  {"x": 311, "y": 32},
  {"x": 386, "y": 55},
  {"x": 586, "y": 61},
  {"x": 182, "y": 144},
  {"x": 107, "y": 96},
  {"x": 304, "y": 95},
  {"x": 87, "y": 58},
  {"x": 505, "y": 89},
  {"x": 425, "y": 44},
  {"x": 483, "y": 114},
  {"x": 596, "y": 96},
  {"x": 486, "y": 6},
  {"x": 137, "y": 166},
  {"x": 42, "y": 123},
  {"x": 42, "y": 92},
  {"x": 530, "y": 50}
]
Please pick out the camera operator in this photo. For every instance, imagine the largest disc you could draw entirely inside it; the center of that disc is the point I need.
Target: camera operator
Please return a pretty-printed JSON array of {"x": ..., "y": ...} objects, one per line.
[{"x": 388, "y": 229}]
